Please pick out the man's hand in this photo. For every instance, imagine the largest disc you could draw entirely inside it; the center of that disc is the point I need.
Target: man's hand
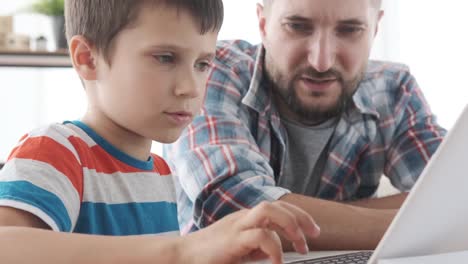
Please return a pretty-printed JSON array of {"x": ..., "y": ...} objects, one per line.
[
  {"x": 252, "y": 235},
  {"x": 344, "y": 226}
]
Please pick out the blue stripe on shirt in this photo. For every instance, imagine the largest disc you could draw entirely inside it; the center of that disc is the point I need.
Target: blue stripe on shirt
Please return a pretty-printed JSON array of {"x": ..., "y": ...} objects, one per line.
[
  {"x": 109, "y": 148},
  {"x": 127, "y": 219},
  {"x": 35, "y": 196}
]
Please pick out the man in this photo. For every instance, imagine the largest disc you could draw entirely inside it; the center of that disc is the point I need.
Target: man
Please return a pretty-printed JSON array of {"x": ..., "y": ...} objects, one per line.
[{"x": 305, "y": 115}]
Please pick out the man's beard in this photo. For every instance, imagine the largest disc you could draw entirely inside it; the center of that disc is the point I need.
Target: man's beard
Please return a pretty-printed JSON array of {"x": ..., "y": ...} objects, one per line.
[{"x": 312, "y": 114}]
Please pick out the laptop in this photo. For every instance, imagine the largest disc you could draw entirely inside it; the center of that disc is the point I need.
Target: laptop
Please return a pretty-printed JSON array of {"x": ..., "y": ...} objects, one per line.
[{"x": 434, "y": 217}]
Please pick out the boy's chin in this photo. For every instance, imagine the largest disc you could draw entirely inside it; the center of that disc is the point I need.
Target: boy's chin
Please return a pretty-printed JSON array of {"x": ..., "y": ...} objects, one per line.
[{"x": 167, "y": 139}]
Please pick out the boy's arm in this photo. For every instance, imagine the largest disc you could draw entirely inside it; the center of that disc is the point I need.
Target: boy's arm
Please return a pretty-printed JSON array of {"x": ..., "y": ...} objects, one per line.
[
  {"x": 24, "y": 240},
  {"x": 13, "y": 217},
  {"x": 244, "y": 235}
]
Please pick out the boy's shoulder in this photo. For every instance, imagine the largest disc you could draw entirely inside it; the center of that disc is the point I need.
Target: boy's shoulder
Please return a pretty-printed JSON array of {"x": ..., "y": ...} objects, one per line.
[
  {"x": 69, "y": 139},
  {"x": 47, "y": 143},
  {"x": 161, "y": 165},
  {"x": 54, "y": 132}
]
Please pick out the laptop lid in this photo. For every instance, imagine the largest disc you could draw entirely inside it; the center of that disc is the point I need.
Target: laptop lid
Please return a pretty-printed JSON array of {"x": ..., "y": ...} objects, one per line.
[{"x": 434, "y": 217}]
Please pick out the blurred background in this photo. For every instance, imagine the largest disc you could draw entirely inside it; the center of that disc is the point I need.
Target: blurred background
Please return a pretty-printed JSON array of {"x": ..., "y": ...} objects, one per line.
[{"x": 428, "y": 35}]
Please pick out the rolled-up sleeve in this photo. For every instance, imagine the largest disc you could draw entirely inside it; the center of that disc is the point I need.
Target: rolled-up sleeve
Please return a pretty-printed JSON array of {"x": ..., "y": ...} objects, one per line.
[
  {"x": 416, "y": 137},
  {"x": 219, "y": 165}
]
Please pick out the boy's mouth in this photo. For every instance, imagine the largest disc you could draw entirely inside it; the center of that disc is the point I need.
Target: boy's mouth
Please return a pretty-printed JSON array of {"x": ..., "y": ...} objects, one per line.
[{"x": 180, "y": 118}]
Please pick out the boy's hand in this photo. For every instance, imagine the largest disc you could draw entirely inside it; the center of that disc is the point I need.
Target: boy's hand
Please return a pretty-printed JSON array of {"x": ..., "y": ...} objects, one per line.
[{"x": 252, "y": 235}]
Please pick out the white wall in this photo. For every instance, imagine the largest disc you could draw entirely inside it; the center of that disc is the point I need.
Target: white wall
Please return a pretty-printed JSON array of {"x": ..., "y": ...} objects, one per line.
[
  {"x": 427, "y": 35},
  {"x": 32, "y": 97},
  {"x": 434, "y": 42}
]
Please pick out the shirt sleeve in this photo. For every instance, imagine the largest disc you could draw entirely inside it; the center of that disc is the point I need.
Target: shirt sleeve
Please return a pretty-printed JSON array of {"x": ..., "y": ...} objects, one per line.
[
  {"x": 416, "y": 138},
  {"x": 43, "y": 177},
  {"x": 219, "y": 166}
]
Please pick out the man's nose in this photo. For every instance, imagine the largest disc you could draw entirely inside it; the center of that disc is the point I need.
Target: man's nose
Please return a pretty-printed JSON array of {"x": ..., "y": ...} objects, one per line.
[{"x": 322, "y": 53}]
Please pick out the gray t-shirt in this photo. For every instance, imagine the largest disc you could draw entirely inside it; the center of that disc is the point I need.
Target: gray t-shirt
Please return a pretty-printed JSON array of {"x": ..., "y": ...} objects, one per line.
[{"x": 305, "y": 156}]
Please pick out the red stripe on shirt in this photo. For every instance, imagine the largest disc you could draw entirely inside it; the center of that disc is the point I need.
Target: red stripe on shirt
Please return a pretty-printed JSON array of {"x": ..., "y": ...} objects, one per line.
[
  {"x": 161, "y": 166},
  {"x": 98, "y": 159},
  {"x": 47, "y": 150}
]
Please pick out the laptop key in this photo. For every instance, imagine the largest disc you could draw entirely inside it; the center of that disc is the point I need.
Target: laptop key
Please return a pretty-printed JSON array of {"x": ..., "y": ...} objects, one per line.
[{"x": 360, "y": 257}]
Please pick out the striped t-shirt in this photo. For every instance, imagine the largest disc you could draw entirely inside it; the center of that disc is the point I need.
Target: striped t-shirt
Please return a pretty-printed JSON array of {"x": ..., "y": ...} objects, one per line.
[{"x": 75, "y": 181}]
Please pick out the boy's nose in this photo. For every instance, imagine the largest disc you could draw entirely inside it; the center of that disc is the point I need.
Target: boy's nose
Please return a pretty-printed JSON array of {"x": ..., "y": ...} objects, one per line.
[{"x": 188, "y": 86}]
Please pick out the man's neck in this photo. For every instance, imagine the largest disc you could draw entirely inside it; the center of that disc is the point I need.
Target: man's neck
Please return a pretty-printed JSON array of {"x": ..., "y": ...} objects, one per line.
[{"x": 286, "y": 113}]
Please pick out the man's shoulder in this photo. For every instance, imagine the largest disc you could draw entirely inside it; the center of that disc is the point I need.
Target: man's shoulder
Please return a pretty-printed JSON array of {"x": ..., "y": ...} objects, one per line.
[
  {"x": 385, "y": 85},
  {"x": 386, "y": 69},
  {"x": 233, "y": 68},
  {"x": 385, "y": 77},
  {"x": 233, "y": 53}
]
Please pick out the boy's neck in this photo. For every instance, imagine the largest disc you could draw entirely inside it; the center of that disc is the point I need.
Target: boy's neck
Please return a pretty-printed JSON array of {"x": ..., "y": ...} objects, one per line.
[{"x": 125, "y": 140}]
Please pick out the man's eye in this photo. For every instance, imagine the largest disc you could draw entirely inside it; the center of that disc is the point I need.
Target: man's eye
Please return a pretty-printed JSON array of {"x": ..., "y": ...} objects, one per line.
[
  {"x": 203, "y": 66},
  {"x": 349, "y": 30},
  {"x": 164, "y": 58},
  {"x": 301, "y": 27}
]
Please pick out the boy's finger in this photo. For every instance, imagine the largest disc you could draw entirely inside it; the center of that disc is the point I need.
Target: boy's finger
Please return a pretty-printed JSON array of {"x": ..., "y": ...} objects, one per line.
[
  {"x": 300, "y": 245},
  {"x": 267, "y": 214},
  {"x": 260, "y": 239},
  {"x": 306, "y": 222}
]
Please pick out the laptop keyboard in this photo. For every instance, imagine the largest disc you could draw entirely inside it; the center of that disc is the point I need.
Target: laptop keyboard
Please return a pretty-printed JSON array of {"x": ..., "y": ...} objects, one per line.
[{"x": 360, "y": 257}]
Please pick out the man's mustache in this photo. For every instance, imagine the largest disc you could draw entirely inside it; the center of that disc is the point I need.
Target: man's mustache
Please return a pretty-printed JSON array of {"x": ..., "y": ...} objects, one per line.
[{"x": 312, "y": 73}]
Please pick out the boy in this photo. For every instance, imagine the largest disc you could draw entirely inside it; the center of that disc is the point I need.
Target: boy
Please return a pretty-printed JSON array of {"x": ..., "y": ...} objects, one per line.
[{"x": 144, "y": 66}]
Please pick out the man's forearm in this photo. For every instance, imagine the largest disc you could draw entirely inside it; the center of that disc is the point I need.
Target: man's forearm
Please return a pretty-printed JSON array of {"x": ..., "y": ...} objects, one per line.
[
  {"x": 343, "y": 226},
  {"x": 389, "y": 202}
]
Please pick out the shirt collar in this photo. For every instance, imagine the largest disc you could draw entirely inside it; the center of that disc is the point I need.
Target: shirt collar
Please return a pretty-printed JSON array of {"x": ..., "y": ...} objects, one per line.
[
  {"x": 258, "y": 96},
  {"x": 363, "y": 97}
]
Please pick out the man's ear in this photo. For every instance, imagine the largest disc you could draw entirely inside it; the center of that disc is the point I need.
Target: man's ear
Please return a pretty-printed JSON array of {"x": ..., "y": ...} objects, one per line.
[
  {"x": 379, "y": 18},
  {"x": 83, "y": 58},
  {"x": 261, "y": 20}
]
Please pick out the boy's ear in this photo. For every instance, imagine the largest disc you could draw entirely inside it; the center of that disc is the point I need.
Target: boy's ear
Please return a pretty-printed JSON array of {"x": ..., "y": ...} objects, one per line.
[{"x": 83, "y": 58}]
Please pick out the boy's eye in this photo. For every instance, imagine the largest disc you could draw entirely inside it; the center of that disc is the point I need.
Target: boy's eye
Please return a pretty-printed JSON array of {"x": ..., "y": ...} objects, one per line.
[
  {"x": 203, "y": 66},
  {"x": 164, "y": 58}
]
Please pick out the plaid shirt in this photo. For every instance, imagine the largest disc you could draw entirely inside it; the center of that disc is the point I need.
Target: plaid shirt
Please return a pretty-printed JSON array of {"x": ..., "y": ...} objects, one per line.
[{"x": 231, "y": 154}]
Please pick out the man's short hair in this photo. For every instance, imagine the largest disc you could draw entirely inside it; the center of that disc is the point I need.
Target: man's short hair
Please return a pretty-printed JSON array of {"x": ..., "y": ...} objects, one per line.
[
  {"x": 375, "y": 3},
  {"x": 99, "y": 21}
]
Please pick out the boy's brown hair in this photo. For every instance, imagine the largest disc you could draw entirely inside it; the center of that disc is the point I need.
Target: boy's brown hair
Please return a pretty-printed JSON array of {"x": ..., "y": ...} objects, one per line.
[{"x": 101, "y": 20}]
